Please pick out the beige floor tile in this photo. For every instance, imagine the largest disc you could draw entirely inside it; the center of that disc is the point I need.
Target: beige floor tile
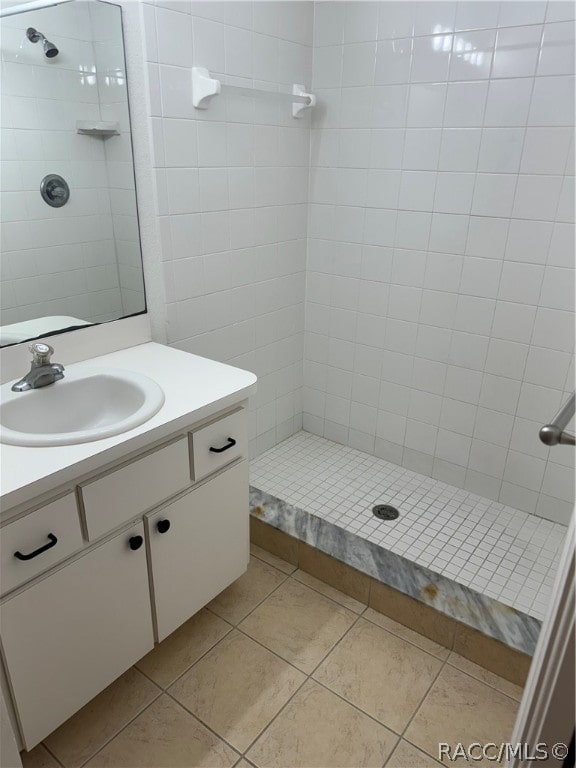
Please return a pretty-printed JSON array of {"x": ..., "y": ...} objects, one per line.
[
  {"x": 271, "y": 559},
  {"x": 183, "y": 647},
  {"x": 243, "y": 595},
  {"x": 334, "y": 594},
  {"x": 407, "y": 756},
  {"x": 502, "y": 685},
  {"x": 165, "y": 736},
  {"x": 460, "y": 708},
  {"x": 319, "y": 730},
  {"x": 406, "y": 633},
  {"x": 380, "y": 673},
  {"x": 298, "y": 624},
  {"x": 39, "y": 757},
  {"x": 88, "y": 730},
  {"x": 237, "y": 689}
]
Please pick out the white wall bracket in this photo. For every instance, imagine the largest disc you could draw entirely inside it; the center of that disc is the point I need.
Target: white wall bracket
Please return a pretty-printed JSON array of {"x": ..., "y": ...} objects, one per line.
[
  {"x": 299, "y": 107},
  {"x": 203, "y": 87}
]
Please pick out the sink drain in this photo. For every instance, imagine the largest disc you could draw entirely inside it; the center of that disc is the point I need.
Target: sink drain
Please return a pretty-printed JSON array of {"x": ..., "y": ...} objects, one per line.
[{"x": 385, "y": 512}]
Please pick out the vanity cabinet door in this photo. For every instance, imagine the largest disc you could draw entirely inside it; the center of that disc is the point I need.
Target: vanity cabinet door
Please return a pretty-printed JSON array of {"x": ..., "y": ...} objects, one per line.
[
  {"x": 199, "y": 544},
  {"x": 69, "y": 635}
]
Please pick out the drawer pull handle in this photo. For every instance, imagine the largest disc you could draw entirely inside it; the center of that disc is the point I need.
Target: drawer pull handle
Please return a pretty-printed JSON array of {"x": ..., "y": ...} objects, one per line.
[
  {"x": 163, "y": 525},
  {"x": 135, "y": 542},
  {"x": 52, "y": 541},
  {"x": 230, "y": 444}
]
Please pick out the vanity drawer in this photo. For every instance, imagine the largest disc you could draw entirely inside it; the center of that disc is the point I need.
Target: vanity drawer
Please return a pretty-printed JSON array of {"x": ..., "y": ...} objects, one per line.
[
  {"x": 116, "y": 497},
  {"x": 38, "y": 541},
  {"x": 219, "y": 443}
]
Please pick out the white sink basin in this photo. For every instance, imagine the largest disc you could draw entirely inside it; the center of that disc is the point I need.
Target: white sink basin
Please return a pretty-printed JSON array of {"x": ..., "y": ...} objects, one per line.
[{"x": 88, "y": 404}]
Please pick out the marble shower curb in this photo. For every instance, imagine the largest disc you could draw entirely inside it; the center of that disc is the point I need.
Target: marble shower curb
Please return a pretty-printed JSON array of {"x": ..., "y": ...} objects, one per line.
[{"x": 484, "y": 614}]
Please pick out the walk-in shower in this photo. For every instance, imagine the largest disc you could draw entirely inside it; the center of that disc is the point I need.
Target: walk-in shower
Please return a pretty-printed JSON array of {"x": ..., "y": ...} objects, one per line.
[{"x": 439, "y": 326}]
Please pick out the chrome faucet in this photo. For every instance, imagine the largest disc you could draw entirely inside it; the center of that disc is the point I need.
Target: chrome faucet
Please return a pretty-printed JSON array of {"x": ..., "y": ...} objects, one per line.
[{"x": 42, "y": 372}]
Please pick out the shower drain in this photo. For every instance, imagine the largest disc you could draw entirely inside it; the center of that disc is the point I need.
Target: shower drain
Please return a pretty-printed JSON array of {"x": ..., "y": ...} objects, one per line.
[{"x": 385, "y": 512}]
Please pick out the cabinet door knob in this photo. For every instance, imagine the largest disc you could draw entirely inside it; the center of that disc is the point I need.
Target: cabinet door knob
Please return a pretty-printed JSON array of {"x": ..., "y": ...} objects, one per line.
[
  {"x": 163, "y": 525},
  {"x": 135, "y": 542}
]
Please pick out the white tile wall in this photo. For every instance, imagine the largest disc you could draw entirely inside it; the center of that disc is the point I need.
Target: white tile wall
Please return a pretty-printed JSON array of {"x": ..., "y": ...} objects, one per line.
[
  {"x": 65, "y": 260},
  {"x": 432, "y": 199},
  {"x": 232, "y": 185},
  {"x": 440, "y": 279}
]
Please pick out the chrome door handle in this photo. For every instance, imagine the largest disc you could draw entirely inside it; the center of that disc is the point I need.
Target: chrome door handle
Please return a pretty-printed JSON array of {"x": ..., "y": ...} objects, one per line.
[{"x": 553, "y": 433}]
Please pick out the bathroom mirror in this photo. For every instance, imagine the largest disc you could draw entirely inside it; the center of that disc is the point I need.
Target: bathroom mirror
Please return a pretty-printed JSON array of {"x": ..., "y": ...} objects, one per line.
[{"x": 70, "y": 244}]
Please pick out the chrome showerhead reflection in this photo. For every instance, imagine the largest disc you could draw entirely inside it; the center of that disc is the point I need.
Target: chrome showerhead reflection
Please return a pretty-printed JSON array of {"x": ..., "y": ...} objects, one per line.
[{"x": 50, "y": 50}]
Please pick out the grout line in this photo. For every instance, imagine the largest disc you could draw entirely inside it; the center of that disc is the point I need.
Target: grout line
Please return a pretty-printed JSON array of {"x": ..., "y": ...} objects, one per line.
[
  {"x": 205, "y": 725},
  {"x": 232, "y": 627},
  {"x": 405, "y": 639},
  {"x": 421, "y": 750},
  {"x": 420, "y": 705},
  {"x": 308, "y": 678},
  {"x": 292, "y": 664},
  {"x": 484, "y": 682},
  {"x": 333, "y": 648},
  {"x": 251, "y": 611},
  {"x": 435, "y": 677},
  {"x": 253, "y": 554},
  {"x": 257, "y": 642},
  {"x": 277, "y": 715},
  {"x": 176, "y": 679},
  {"x": 108, "y": 741},
  {"x": 245, "y": 759},
  {"x": 358, "y": 709},
  {"x": 52, "y": 754},
  {"x": 330, "y": 586}
]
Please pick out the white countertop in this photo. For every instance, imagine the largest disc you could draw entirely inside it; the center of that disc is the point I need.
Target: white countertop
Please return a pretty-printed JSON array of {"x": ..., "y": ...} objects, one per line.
[{"x": 194, "y": 388}]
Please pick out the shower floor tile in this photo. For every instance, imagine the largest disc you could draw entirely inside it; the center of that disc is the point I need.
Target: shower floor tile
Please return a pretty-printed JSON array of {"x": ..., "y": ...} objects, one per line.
[{"x": 496, "y": 550}]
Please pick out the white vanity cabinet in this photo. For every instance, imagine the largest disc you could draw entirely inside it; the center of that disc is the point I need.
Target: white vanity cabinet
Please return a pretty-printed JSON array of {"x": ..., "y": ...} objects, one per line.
[
  {"x": 115, "y": 497},
  {"x": 142, "y": 545},
  {"x": 39, "y": 540},
  {"x": 72, "y": 633},
  {"x": 198, "y": 545}
]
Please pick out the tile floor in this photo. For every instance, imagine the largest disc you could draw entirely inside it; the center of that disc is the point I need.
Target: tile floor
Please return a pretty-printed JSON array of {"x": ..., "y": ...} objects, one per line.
[
  {"x": 284, "y": 671},
  {"x": 496, "y": 550}
]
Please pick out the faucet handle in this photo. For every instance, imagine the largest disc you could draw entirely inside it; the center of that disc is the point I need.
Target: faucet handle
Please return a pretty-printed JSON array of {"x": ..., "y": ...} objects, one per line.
[{"x": 41, "y": 353}]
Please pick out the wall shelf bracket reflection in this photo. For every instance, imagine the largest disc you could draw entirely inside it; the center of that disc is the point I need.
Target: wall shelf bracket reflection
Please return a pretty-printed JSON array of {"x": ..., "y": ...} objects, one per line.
[{"x": 101, "y": 128}]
